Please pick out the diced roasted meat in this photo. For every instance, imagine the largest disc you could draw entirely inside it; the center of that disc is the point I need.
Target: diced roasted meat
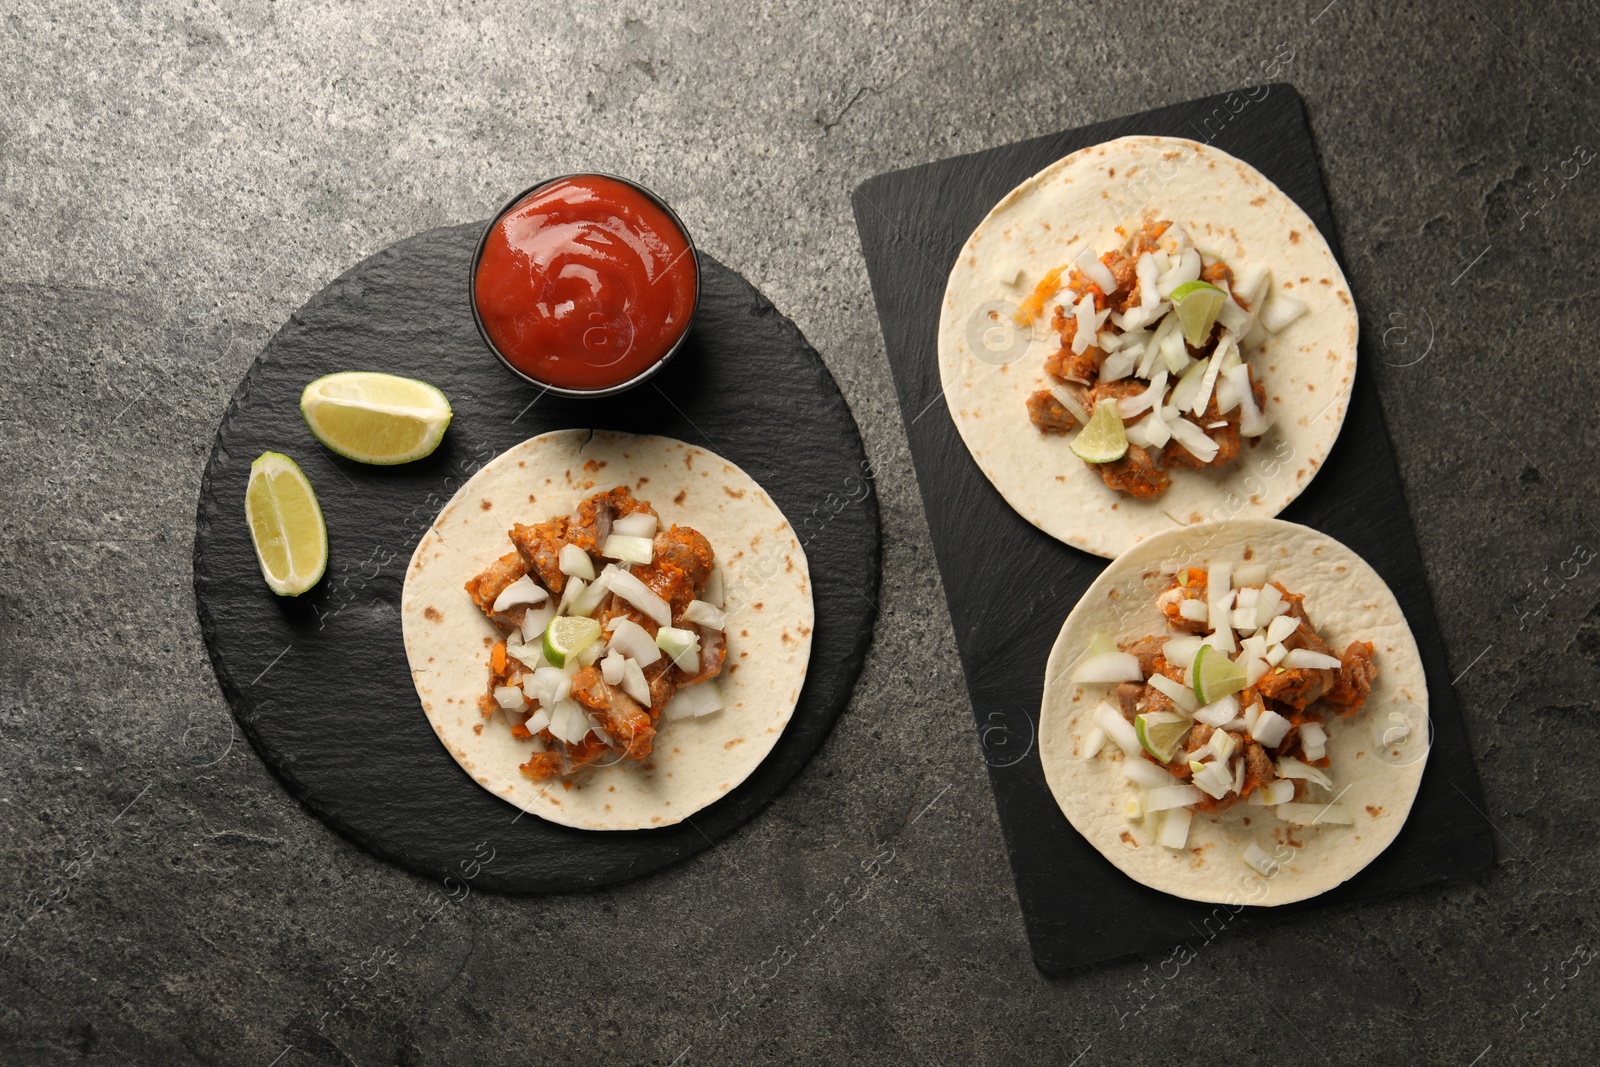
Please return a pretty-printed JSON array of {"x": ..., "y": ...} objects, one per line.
[
  {"x": 540, "y": 549},
  {"x": 661, "y": 676},
  {"x": 485, "y": 589},
  {"x": 1049, "y": 414},
  {"x": 1128, "y": 694},
  {"x": 627, "y": 724},
  {"x": 713, "y": 651},
  {"x": 561, "y": 760},
  {"x": 1135, "y": 474},
  {"x": 616, "y": 607},
  {"x": 1064, "y": 363},
  {"x": 1354, "y": 682},
  {"x": 1217, "y": 273},
  {"x": 1125, "y": 269},
  {"x": 1121, "y": 389},
  {"x": 1187, "y": 585},
  {"x": 1258, "y": 768},
  {"x": 1148, "y": 237},
  {"x": 1198, "y": 738},
  {"x": 590, "y": 525},
  {"x": 688, "y": 551},
  {"x": 1147, "y": 650},
  {"x": 1297, "y": 687}
]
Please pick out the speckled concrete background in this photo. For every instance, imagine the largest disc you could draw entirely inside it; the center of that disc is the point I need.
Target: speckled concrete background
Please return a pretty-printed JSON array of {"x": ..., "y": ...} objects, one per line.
[{"x": 179, "y": 177}]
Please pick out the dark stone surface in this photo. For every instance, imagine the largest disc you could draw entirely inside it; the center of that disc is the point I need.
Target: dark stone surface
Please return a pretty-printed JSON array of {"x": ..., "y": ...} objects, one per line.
[
  {"x": 320, "y": 682},
  {"x": 179, "y": 178},
  {"x": 992, "y": 559}
]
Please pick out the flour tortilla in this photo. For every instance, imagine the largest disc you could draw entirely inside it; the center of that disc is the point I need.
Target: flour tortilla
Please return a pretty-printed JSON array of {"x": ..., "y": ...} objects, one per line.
[
  {"x": 1346, "y": 601},
  {"x": 987, "y": 368},
  {"x": 767, "y": 589}
]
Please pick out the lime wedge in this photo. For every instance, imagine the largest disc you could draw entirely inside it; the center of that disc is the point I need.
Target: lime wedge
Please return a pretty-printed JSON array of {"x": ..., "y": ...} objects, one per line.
[
  {"x": 1215, "y": 675},
  {"x": 286, "y": 525},
  {"x": 1102, "y": 438},
  {"x": 375, "y": 418},
  {"x": 1160, "y": 732},
  {"x": 568, "y": 635},
  {"x": 1197, "y": 304}
]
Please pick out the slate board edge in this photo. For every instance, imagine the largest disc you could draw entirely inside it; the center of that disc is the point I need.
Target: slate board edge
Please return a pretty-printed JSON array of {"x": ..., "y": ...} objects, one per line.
[
  {"x": 1430, "y": 639},
  {"x": 850, "y": 665}
]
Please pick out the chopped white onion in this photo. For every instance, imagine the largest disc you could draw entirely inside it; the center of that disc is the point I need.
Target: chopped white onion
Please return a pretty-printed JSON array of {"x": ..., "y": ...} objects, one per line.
[
  {"x": 1096, "y": 271},
  {"x": 1314, "y": 814},
  {"x": 634, "y": 682},
  {"x": 1257, "y": 858},
  {"x": 1250, "y": 574},
  {"x": 1220, "y": 745},
  {"x": 574, "y": 589},
  {"x": 591, "y": 653},
  {"x": 1214, "y": 779},
  {"x": 712, "y": 594},
  {"x": 536, "y": 621},
  {"x": 1087, "y": 326},
  {"x": 1208, "y": 381},
  {"x": 1118, "y": 729},
  {"x": 1177, "y": 692},
  {"x": 1093, "y": 743},
  {"x": 1270, "y": 728},
  {"x": 629, "y": 549},
  {"x": 1067, "y": 399},
  {"x": 692, "y": 701},
  {"x": 1304, "y": 659},
  {"x": 1289, "y": 767},
  {"x": 1234, "y": 318},
  {"x": 1109, "y": 667},
  {"x": 1146, "y": 775},
  {"x": 1183, "y": 650},
  {"x": 568, "y": 722},
  {"x": 1252, "y": 423},
  {"x": 1129, "y": 406},
  {"x": 1148, "y": 274},
  {"x": 639, "y": 524},
  {"x": 1219, "y": 596},
  {"x": 521, "y": 591},
  {"x": 681, "y": 646},
  {"x": 575, "y": 563},
  {"x": 549, "y": 686},
  {"x": 1187, "y": 270},
  {"x": 1132, "y": 808},
  {"x": 1168, "y": 797},
  {"x": 1278, "y": 791},
  {"x": 589, "y": 600},
  {"x": 1269, "y": 605},
  {"x": 1175, "y": 829},
  {"x": 1253, "y": 648},
  {"x": 1255, "y": 669},
  {"x": 1252, "y": 713},
  {"x": 1275, "y": 654},
  {"x": 1194, "y": 610},
  {"x": 611, "y": 667},
  {"x": 1117, "y": 366},
  {"x": 1194, "y": 439},
  {"x": 1280, "y": 309},
  {"x": 539, "y": 720},
  {"x": 1188, "y": 386},
  {"x": 634, "y": 641},
  {"x": 1250, "y": 281},
  {"x": 628, "y": 586},
  {"x": 529, "y": 653},
  {"x": 1279, "y": 629},
  {"x": 704, "y": 615},
  {"x": 510, "y": 697},
  {"x": 1218, "y": 712}
]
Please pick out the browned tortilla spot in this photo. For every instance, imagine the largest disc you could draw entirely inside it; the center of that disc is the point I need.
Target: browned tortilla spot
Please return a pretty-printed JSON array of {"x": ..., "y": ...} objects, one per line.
[{"x": 431, "y": 614}]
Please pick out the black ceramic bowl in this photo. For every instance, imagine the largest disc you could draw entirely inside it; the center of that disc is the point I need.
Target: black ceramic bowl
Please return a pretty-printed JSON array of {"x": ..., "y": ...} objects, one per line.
[{"x": 609, "y": 390}]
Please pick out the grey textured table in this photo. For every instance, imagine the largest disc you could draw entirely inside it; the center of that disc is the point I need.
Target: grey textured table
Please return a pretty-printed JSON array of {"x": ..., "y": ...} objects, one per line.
[{"x": 178, "y": 178}]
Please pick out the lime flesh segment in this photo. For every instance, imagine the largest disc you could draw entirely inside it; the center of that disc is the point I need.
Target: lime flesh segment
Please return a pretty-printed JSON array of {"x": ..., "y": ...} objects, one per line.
[
  {"x": 1102, "y": 438},
  {"x": 568, "y": 635},
  {"x": 286, "y": 526},
  {"x": 1196, "y": 305},
  {"x": 375, "y": 418},
  {"x": 1215, "y": 675},
  {"x": 1160, "y": 732}
]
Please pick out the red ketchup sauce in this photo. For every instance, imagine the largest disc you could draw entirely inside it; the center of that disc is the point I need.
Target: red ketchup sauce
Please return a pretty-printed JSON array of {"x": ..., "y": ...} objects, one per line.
[{"x": 585, "y": 283}]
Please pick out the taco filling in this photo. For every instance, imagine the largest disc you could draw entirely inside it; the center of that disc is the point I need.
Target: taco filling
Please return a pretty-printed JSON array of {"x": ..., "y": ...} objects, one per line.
[
  {"x": 1153, "y": 360},
  {"x": 1231, "y": 705},
  {"x": 609, "y": 625}
]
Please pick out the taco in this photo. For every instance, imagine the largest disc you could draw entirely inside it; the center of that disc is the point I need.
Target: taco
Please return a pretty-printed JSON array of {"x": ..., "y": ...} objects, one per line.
[
  {"x": 1236, "y": 713},
  {"x": 608, "y": 631},
  {"x": 1129, "y": 331}
]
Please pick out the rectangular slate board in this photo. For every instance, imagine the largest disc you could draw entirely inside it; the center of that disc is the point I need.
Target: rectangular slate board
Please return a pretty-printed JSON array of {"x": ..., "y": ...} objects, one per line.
[{"x": 1078, "y": 908}]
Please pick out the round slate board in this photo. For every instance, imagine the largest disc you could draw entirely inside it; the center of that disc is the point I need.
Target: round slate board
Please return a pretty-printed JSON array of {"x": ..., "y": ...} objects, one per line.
[{"x": 320, "y": 683}]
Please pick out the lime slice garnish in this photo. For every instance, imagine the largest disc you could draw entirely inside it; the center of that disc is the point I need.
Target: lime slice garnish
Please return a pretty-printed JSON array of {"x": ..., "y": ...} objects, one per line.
[
  {"x": 375, "y": 418},
  {"x": 1215, "y": 675},
  {"x": 286, "y": 525},
  {"x": 1196, "y": 305},
  {"x": 1102, "y": 438},
  {"x": 568, "y": 635},
  {"x": 1160, "y": 732}
]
